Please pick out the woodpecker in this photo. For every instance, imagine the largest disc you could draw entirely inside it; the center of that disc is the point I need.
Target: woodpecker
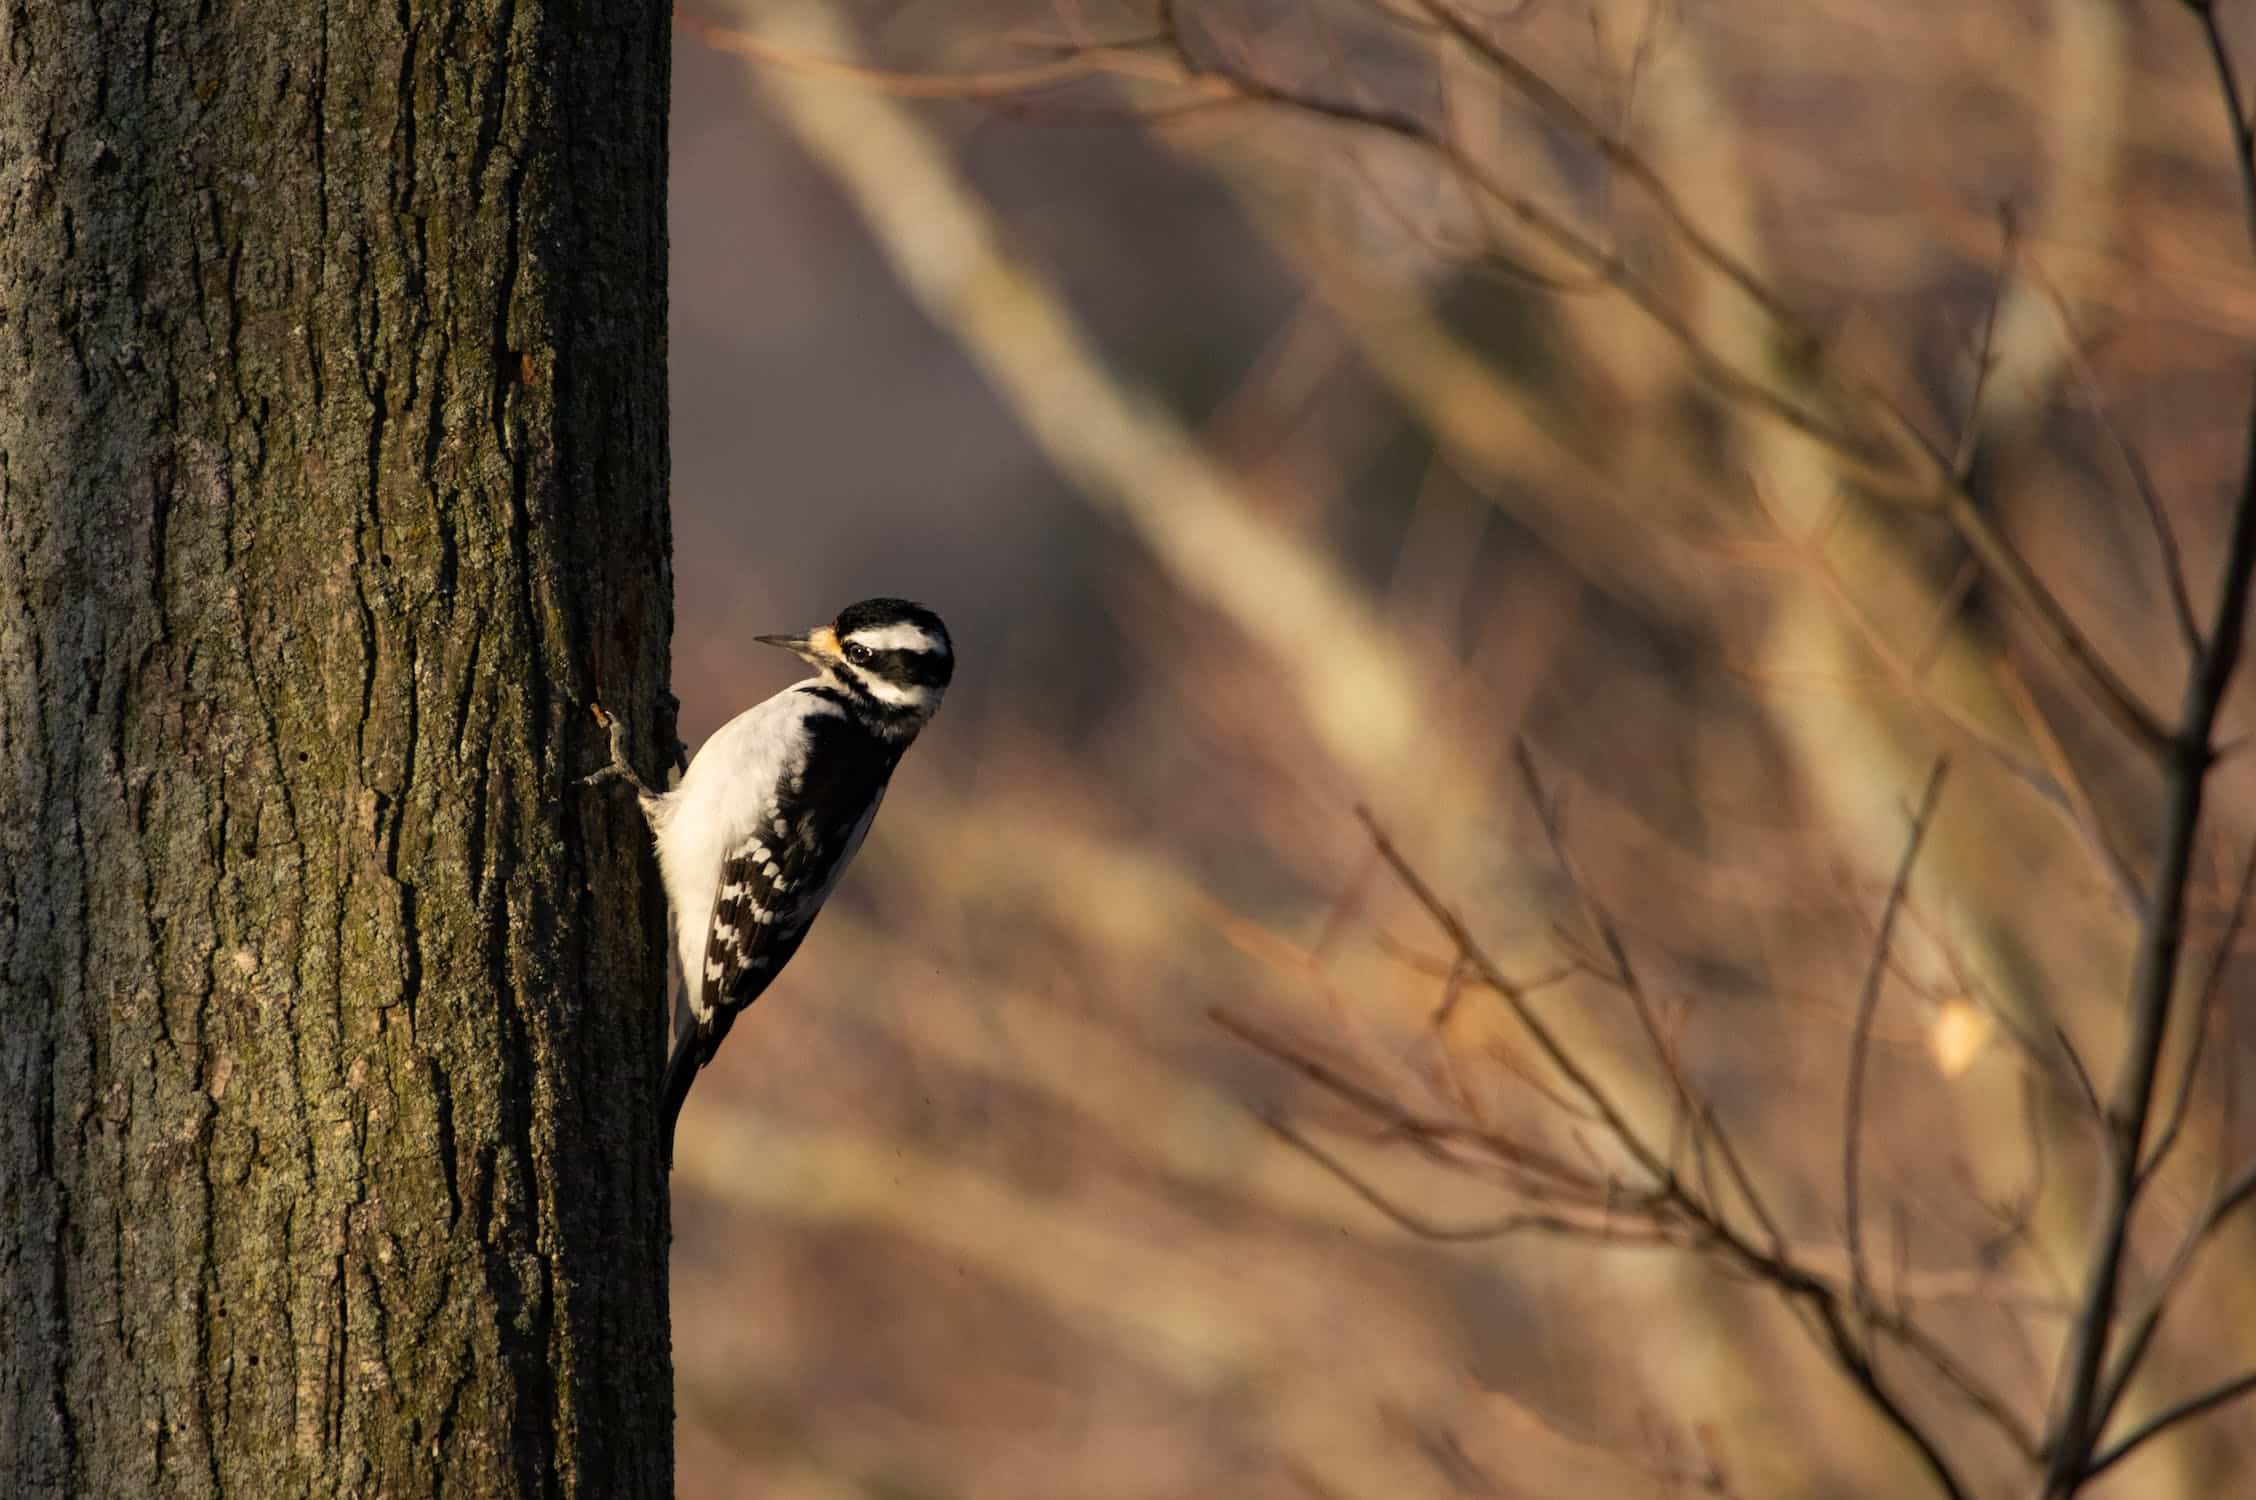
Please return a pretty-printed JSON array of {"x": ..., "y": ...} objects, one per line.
[{"x": 774, "y": 806}]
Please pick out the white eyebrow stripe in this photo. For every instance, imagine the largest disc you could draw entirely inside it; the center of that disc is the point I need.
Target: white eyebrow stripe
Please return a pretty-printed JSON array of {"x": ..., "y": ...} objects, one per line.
[{"x": 901, "y": 637}]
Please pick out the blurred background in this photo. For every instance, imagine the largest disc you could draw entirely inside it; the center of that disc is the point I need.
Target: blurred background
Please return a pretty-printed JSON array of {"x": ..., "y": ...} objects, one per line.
[{"x": 1291, "y": 408}]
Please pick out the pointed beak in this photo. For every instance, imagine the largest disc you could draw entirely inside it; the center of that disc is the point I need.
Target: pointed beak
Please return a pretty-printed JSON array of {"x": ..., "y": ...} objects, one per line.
[{"x": 808, "y": 648}]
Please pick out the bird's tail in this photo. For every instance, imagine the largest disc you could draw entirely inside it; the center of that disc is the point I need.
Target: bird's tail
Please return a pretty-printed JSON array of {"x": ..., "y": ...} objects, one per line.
[
  {"x": 681, "y": 1072},
  {"x": 699, "y": 1041}
]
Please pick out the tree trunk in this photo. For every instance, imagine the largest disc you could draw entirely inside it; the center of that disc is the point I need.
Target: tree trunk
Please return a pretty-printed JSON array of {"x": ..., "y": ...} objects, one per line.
[{"x": 332, "y": 490}]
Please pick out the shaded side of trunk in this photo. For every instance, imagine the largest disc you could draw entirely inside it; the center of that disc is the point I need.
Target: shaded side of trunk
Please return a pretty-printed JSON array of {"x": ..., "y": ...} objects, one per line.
[{"x": 332, "y": 489}]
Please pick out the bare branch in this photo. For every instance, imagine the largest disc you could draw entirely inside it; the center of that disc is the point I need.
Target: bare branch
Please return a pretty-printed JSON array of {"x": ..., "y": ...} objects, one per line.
[
  {"x": 2055, "y": 781},
  {"x": 1692, "y": 1109},
  {"x": 2228, "y": 83},
  {"x": 2075, "y": 1431},
  {"x": 1427, "y": 1134},
  {"x": 2140, "y": 1327},
  {"x": 1876, "y": 458},
  {"x": 1623, "y": 158},
  {"x": 2085, "y": 1088},
  {"x": 2162, "y": 1421},
  {"x": 2160, "y": 946},
  {"x": 2058, "y": 627},
  {"x": 1601, "y": 1225},
  {"x": 1774, "y": 1265},
  {"x": 1970, "y": 430},
  {"x": 1884, "y": 453},
  {"x": 2196, "y": 1046},
  {"x": 1547, "y": 1041},
  {"x": 1434, "y": 966},
  {"x": 1858, "y": 1363},
  {"x": 1860, "y": 1035},
  {"x": 2134, "y": 467},
  {"x": 1452, "y": 990},
  {"x": 2075, "y": 797},
  {"x": 1944, "y": 476}
]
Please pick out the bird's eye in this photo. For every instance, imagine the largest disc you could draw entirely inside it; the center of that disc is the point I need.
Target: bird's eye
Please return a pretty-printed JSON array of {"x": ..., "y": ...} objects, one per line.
[{"x": 857, "y": 653}]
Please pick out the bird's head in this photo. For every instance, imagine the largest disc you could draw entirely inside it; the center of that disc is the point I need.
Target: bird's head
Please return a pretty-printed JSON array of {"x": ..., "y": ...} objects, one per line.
[{"x": 891, "y": 656}]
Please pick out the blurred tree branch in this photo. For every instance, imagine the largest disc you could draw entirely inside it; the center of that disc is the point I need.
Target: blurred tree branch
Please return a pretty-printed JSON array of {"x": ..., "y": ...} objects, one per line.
[
  {"x": 1118, "y": 444},
  {"x": 1651, "y": 1164},
  {"x": 2081, "y": 1412},
  {"x": 1881, "y": 451},
  {"x": 1667, "y": 1207},
  {"x": 1860, "y": 1037},
  {"x": 2187, "y": 751}
]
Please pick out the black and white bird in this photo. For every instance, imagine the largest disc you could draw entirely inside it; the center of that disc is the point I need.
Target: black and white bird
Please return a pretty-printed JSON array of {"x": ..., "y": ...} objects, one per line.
[{"x": 774, "y": 806}]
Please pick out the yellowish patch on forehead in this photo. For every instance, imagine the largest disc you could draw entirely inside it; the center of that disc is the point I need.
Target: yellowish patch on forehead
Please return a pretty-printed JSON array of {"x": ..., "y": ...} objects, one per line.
[{"x": 824, "y": 640}]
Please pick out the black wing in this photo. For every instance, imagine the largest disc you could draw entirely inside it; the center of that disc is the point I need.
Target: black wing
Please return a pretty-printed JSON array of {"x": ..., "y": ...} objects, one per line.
[
  {"x": 774, "y": 883},
  {"x": 758, "y": 922},
  {"x": 759, "y": 916}
]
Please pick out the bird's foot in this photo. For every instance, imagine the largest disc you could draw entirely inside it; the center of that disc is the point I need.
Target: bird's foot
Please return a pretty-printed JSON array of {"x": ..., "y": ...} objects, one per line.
[{"x": 619, "y": 769}]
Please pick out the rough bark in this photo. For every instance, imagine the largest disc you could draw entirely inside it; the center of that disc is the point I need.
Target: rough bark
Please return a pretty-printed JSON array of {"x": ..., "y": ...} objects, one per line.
[{"x": 332, "y": 488}]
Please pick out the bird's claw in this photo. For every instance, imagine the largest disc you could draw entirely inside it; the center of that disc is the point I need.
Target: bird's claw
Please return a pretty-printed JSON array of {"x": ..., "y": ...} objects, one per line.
[{"x": 619, "y": 769}]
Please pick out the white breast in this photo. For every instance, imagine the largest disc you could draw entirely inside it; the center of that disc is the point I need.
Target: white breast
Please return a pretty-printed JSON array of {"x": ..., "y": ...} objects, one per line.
[{"x": 722, "y": 798}]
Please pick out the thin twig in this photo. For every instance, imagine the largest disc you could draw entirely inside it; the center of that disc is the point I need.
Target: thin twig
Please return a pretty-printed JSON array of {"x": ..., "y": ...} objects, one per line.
[
  {"x": 1774, "y": 1265},
  {"x": 1970, "y": 431},
  {"x": 1706, "y": 1127},
  {"x": 2196, "y": 1046},
  {"x": 1860, "y": 1035},
  {"x": 1858, "y": 1362},
  {"x": 2243, "y": 132},
  {"x": 2140, "y": 1328},
  {"x": 1554, "y": 1051},
  {"x": 2160, "y": 946},
  {"x": 1886, "y": 454},
  {"x": 1433, "y": 966},
  {"x": 2075, "y": 1432},
  {"x": 2000, "y": 559},
  {"x": 2076, "y": 798},
  {"x": 1484, "y": 209},
  {"x": 1619, "y": 155},
  {"x": 1875, "y": 461},
  {"x": 2154, "y": 1426},
  {"x": 1806, "y": 553},
  {"x": 2134, "y": 467},
  {"x": 1402, "y": 1123},
  {"x": 2085, "y": 1088},
  {"x": 1606, "y": 1227}
]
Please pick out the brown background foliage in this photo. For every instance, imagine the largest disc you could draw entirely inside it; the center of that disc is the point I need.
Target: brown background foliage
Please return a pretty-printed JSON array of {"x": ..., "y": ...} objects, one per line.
[{"x": 982, "y": 1202}]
